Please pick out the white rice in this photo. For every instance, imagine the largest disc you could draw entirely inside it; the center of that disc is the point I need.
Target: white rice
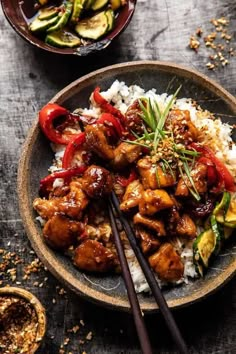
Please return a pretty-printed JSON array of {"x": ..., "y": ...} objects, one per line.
[{"x": 122, "y": 96}]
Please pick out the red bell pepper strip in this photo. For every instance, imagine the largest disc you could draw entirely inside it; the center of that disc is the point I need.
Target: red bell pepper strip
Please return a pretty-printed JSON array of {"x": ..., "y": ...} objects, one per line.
[
  {"x": 47, "y": 116},
  {"x": 47, "y": 182},
  {"x": 212, "y": 175},
  {"x": 124, "y": 182},
  {"x": 71, "y": 148},
  {"x": 112, "y": 122},
  {"x": 225, "y": 179},
  {"x": 107, "y": 107}
]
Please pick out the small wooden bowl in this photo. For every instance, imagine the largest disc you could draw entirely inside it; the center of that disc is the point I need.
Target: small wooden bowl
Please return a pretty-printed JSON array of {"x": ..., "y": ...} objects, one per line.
[
  {"x": 38, "y": 307},
  {"x": 19, "y": 13}
]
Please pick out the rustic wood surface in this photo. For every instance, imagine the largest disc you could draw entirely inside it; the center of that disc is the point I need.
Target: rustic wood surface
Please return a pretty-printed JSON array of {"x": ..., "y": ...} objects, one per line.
[{"x": 160, "y": 29}]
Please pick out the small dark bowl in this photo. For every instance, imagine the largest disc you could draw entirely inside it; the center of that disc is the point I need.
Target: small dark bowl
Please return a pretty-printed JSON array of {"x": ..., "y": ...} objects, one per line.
[
  {"x": 19, "y": 13},
  {"x": 109, "y": 290}
]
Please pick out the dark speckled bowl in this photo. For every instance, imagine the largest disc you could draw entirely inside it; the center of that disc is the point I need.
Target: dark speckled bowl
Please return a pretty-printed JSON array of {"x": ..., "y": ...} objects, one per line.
[
  {"x": 19, "y": 14},
  {"x": 37, "y": 156}
]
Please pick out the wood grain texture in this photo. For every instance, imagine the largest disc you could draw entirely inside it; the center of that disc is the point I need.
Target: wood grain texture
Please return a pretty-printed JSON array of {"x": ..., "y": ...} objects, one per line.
[{"x": 28, "y": 79}]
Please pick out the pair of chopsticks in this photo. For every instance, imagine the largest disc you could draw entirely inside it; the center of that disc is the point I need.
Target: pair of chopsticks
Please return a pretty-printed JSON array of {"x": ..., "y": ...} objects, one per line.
[{"x": 150, "y": 277}]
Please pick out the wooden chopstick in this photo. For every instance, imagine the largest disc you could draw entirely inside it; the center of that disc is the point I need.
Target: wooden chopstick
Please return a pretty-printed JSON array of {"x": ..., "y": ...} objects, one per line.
[
  {"x": 150, "y": 277},
  {"x": 134, "y": 303}
]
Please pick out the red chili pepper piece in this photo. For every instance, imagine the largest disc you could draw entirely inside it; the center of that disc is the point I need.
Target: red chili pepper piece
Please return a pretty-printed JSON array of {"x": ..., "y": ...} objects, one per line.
[
  {"x": 112, "y": 122},
  {"x": 47, "y": 182},
  {"x": 106, "y": 106},
  {"x": 225, "y": 179},
  {"x": 124, "y": 182},
  {"x": 212, "y": 175},
  {"x": 71, "y": 148},
  {"x": 47, "y": 116}
]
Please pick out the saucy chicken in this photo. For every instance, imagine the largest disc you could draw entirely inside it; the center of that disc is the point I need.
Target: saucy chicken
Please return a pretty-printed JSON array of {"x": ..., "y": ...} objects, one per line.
[{"x": 157, "y": 173}]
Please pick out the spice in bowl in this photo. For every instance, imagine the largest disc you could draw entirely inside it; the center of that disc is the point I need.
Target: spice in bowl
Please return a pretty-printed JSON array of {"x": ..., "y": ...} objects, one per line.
[{"x": 22, "y": 321}]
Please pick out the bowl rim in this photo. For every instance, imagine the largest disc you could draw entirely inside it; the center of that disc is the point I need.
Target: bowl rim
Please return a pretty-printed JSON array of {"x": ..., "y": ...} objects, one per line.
[
  {"x": 54, "y": 265},
  {"x": 78, "y": 51},
  {"x": 36, "y": 304}
]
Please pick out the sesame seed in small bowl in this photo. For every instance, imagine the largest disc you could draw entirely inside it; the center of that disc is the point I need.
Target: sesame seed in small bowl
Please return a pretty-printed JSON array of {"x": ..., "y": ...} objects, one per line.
[{"x": 22, "y": 321}]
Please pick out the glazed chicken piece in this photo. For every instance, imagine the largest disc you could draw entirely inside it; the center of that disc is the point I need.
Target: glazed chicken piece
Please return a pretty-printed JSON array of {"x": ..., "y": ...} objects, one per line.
[
  {"x": 186, "y": 227},
  {"x": 153, "y": 201},
  {"x": 180, "y": 124},
  {"x": 134, "y": 121},
  {"x": 96, "y": 141},
  {"x": 179, "y": 225},
  {"x": 72, "y": 204},
  {"x": 199, "y": 177},
  {"x": 132, "y": 196},
  {"x": 167, "y": 263},
  {"x": 59, "y": 191},
  {"x": 61, "y": 232},
  {"x": 148, "y": 242},
  {"x": 96, "y": 182},
  {"x": 152, "y": 224},
  {"x": 92, "y": 256},
  {"x": 172, "y": 217},
  {"x": 153, "y": 176},
  {"x": 125, "y": 154}
]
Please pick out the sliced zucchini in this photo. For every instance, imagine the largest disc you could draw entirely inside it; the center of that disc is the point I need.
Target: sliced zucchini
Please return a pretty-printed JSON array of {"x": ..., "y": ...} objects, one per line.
[
  {"x": 38, "y": 26},
  {"x": 63, "y": 39},
  {"x": 230, "y": 216},
  {"x": 218, "y": 232},
  {"x": 110, "y": 19},
  {"x": 203, "y": 248},
  {"x": 62, "y": 18},
  {"x": 47, "y": 13},
  {"x": 89, "y": 4},
  {"x": 99, "y": 4},
  {"x": 93, "y": 27},
  {"x": 222, "y": 207},
  {"x": 78, "y": 7},
  {"x": 115, "y": 4}
]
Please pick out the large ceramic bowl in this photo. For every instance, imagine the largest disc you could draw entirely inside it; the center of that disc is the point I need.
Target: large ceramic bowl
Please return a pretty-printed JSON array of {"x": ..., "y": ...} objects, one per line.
[
  {"x": 37, "y": 156},
  {"x": 19, "y": 14}
]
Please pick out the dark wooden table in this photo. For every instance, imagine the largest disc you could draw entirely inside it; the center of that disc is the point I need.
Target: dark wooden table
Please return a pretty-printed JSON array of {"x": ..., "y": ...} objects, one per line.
[{"x": 28, "y": 79}]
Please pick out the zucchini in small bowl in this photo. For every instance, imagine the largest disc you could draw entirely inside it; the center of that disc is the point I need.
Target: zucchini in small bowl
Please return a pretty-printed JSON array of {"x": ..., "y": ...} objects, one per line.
[
  {"x": 76, "y": 22},
  {"x": 93, "y": 27},
  {"x": 35, "y": 18}
]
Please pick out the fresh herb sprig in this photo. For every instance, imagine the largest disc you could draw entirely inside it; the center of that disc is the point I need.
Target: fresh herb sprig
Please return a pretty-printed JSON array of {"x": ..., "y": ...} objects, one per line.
[{"x": 154, "y": 120}]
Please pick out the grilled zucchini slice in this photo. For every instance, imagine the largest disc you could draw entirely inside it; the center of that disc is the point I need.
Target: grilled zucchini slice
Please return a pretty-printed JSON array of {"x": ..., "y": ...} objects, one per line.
[
  {"x": 225, "y": 211},
  {"x": 230, "y": 216},
  {"x": 99, "y": 4},
  {"x": 47, "y": 13},
  {"x": 93, "y": 27},
  {"x": 38, "y": 26},
  {"x": 63, "y": 18},
  {"x": 63, "y": 39},
  {"x": 78, "y": 7},
  {"x": 110, "y": 19},
  {"x": 218, "y": 232},
  {"x": 203, "y": 248},
  {"x": 222, "y": 207}
]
